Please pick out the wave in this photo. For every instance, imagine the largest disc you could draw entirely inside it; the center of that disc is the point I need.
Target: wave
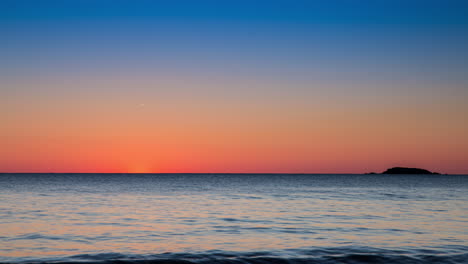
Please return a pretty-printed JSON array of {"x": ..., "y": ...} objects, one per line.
[{"x": 315, "y": 256}]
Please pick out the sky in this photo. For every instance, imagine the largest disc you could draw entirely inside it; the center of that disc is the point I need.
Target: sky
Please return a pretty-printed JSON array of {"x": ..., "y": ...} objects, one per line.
[{"x": 233, "y": 86}]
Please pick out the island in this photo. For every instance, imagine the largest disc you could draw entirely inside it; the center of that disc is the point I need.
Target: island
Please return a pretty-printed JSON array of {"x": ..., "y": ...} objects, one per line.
[{"x": 403, "y": 170}]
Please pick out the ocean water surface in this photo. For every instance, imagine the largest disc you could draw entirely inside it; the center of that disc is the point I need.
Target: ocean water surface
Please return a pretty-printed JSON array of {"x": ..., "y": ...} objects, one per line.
[{"x": 233, "y": 218}]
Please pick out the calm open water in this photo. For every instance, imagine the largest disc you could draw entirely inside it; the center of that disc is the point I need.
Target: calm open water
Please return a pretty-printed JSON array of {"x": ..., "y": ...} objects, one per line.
[{"x": 229, "y": 218}]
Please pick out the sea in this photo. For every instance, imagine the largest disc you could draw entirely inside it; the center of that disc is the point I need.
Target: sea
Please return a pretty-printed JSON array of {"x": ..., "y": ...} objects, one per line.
[{"x": 233, "y": 218}]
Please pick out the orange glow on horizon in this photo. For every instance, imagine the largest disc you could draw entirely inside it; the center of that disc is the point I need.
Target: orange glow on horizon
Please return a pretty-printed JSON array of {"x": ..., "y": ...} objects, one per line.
[{"x": 146, "y": 134}]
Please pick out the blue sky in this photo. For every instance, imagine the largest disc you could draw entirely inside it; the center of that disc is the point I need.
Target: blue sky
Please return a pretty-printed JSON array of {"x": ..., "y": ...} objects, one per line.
[
  {"x": 334, "y": 11},
  {"x": 297, "y": 33}
]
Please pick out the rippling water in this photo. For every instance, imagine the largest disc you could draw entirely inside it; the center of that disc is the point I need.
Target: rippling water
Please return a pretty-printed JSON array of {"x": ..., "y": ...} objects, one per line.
[{"x": 229, "y": 218}]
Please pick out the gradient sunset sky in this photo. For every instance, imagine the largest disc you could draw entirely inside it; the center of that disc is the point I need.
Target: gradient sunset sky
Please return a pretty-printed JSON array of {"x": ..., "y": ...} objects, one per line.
[{"x": 233, "y": 86}]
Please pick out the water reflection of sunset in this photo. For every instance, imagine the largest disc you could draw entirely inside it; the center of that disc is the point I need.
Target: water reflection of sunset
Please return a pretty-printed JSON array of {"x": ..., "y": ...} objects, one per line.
[{"x": 142, "y": 220}]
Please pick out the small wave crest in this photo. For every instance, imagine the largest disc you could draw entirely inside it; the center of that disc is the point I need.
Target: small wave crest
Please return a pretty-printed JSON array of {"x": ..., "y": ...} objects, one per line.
[{"x": 316, "y": 256}]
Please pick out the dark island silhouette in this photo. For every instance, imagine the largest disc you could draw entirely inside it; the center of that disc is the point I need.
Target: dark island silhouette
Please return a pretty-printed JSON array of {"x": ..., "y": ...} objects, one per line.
[{"x": 404, "y": 170}]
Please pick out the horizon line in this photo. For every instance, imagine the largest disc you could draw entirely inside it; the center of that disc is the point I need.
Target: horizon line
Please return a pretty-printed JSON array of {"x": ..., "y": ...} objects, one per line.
[{"x": 232, "y": 173}]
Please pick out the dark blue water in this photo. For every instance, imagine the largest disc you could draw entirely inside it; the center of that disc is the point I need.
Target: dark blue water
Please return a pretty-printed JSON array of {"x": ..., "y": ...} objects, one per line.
[{"x": 232, "y": 218}]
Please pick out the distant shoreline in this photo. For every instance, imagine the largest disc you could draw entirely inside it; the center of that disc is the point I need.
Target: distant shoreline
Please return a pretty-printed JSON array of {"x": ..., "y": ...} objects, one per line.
[{"x": 407, "y": 171}]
